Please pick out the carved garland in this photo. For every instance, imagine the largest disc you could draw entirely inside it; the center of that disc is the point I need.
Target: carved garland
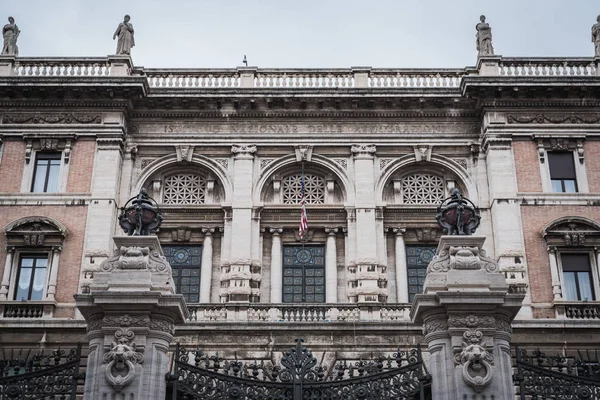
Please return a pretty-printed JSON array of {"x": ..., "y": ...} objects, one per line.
[{"x": 63, "y": 118}]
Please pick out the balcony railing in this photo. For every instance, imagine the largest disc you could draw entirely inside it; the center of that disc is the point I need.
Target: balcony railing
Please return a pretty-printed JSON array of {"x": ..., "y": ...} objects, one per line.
[
  {"x": 298, "y": 78},
  {"x": 580, "y": 310},
  {"x": 310, "y": 313}
]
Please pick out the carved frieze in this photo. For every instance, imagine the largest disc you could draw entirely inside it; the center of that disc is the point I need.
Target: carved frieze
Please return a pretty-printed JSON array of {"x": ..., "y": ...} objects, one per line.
[
  {"x": 434, "y": 325},
  {"x": 62, "y": 118},
  {"x": 157, "y": 324},
  {"x": 542, "y": 118},
  {"x": 462, "y": 257},
  {"x": 125, "y": 320},
  {"x": 243, "y": 149},
  {"x": 363, "y": 149},
  {"x": 136, "y": 258},
  {"x": 471, "y": 321}
]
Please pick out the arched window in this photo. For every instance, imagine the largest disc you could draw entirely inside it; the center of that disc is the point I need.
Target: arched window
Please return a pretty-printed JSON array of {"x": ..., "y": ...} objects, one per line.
[
  {"x": 314, "y": 189},
  {"x": 422, "y": 189},
  {"x": 184, "y": 189}
]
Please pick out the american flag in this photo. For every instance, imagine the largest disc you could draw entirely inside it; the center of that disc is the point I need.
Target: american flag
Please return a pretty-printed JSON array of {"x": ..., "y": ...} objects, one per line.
[{"x": 303, "y": 219}]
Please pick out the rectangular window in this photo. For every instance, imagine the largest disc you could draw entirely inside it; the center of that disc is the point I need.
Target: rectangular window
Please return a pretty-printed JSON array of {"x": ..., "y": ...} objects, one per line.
[
  {"x": 31, "y": 277},
  {"x": 577, "y": 276},
  {"x": 417, "y": 260},
  {"x": 185, "y": 263},
  {"x": 562, "y": 172},
  {"x": 304, "y": 274},
  {"x": 45, "y": 175}
]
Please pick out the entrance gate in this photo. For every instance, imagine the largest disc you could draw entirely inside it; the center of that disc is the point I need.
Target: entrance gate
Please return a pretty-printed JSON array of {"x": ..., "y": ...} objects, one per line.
[
  {"x": 31, "y": 375},
  {"x": 542, "y": 377},
  {"x": 197, "y": 376}
]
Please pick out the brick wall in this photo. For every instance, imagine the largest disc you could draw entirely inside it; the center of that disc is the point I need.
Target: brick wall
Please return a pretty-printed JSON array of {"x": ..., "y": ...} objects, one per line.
[
  {"x": 592, "y": 165},
  {"x": 527, "y": 166},
  {"x": 534, "y": 218},
  {"x": 73, "y": 217},
  {"x": 82, "y": 165},
  {"x": 11, "y": 166}
]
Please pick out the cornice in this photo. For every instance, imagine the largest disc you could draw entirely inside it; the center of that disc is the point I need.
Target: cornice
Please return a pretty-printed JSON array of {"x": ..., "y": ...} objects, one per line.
[{"x": 473, "y": 114}]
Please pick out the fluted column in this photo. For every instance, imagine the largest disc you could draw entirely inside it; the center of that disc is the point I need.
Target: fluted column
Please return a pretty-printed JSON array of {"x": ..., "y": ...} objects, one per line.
[
  {"x": 207, "y": 265},
  {"x": 10, "y": 252},
  {"x": 276, "y": 266},
  {"x": 331, "y": 266},
  {"x": 53, "y": 278},
  {"x": 401, "y": 269}
]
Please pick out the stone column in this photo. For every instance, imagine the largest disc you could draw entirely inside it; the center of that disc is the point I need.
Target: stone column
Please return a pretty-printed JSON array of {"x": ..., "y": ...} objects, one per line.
[
  {"x": 238, "y": 287},
  {"x": 10, "y": 253},
  {"x": 367, "y": 265},
  {"x": 131, "y": 312},
  {"x": 207, "y": 265},
  {"x": 331, "y": 266},
  {"x": 466, "y": 312},
  {"x": 52, "y": 279},
  {"x": 554, "y": 273},
  {"x": 401, "y": 267},
  {"x": 276, "y": 266}
]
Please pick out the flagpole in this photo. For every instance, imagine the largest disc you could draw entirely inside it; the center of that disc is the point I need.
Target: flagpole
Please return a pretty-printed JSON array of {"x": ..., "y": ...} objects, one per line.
[{"x": 302, "y": 238}]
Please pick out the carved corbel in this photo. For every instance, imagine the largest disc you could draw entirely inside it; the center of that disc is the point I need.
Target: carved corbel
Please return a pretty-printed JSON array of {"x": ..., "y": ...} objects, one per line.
[
  {"x": 475, "y": 150},
  {"x": 541, "y": 150},
  {"x": 422, "y": 153},
  {"x": 28, "y": 151},
  {"x": 303, "y": 152},
  {"x": 48, "y": 144},
  {"x": 181, "y": 235},
  {"x": 67, "y": 151},
  {"x": 580, "y": 151}
]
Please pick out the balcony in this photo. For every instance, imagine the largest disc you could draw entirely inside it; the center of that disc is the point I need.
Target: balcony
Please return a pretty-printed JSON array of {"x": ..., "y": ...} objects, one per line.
[
  {"x": 578, "y": 310},
  {"x": 299, "y": 313}
]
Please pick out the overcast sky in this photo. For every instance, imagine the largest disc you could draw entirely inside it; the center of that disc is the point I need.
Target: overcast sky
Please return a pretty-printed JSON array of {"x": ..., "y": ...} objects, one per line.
[{"x": 304, "y": 33}]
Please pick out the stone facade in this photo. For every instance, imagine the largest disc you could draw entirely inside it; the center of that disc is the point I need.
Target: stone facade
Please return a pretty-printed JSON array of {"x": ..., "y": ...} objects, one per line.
[{"x": 222, "y": 152}]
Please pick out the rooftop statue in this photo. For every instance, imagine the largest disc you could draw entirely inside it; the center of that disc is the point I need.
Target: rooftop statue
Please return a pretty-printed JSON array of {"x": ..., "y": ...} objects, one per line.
[
  {"x": 10, "y": 32},
  {"x": 596, "y": 37},
  {"x": 484, "y": 38},
  {"x": 125, "y": 34}
]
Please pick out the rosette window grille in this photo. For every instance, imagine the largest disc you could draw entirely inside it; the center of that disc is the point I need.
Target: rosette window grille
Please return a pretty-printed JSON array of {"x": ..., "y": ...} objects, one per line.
[
  {"x": 422, "y": 189},
  {"x": 314, "y": 189},
  {"x": 184, "y": 189}
]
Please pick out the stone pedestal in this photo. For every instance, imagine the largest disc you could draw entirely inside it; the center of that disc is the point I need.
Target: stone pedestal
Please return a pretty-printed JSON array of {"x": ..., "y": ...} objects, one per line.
[
  {"x": 131, "y": 311},
  {"x": 466, "y": 312},
  {"x": 489, "y": 65},
  {"x": 7, "y": 65}
]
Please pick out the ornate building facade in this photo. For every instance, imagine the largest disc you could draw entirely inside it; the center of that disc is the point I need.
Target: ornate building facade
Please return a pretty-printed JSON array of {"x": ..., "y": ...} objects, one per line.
[{"x": 225, "y": 154}]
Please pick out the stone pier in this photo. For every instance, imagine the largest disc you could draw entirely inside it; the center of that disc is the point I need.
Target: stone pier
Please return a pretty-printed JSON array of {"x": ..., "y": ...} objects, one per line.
[
  {"x": 466, "y": 310},
  {"x": 131, "y": 310}
]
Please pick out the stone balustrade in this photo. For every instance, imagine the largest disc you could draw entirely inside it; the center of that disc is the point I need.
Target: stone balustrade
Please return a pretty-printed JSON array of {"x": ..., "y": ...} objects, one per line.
[
  {"x": 27, "y": 310},
  {"x": 62, "y": 67},
  {"x": 579, "y": 310},
  {"x": 545, "y": 67},
  {"x": 301, "y": 78},
  {"x": 313, "y": 313}
]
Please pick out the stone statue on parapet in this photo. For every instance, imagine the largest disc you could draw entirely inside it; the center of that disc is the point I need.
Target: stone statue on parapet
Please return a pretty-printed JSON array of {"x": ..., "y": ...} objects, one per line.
[
  {"x": 596, "y": 37},
  {"x": 124, "y": 33},
  {"x": 484, "y": 38},
  {"x": 10, "y": 32}
]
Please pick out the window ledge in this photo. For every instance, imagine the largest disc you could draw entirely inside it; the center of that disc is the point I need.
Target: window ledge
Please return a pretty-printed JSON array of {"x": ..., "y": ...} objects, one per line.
[{"x": 10, "y": 309}]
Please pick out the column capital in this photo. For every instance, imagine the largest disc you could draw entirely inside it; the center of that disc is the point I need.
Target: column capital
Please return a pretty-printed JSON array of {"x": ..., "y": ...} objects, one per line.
[
  {"x": 551, "y": 249},
  {"x": 363, "y": 150},
  {"x": 276, "y": 231},
  {"x": 208, "y": 231},
  {"x": 397, "y": 231},
  {"x": 243, "y": 150},
  {"x": 10, "y": 249},
  {"x": 56, "y": 249},
  {"x": 345, "y": 231},
  {"x": 331, "y": 231}
]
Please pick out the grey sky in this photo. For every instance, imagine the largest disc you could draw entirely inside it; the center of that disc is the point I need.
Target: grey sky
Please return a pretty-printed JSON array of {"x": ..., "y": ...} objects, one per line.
[{"x": 304, "y": 33}]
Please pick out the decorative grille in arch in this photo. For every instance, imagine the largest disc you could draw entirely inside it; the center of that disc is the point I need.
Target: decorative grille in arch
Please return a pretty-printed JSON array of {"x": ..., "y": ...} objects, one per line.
[
  {"x": 422, "y": 189},
  {"x": 314, "y": 189},
  {"x": 184, "y": 189}
]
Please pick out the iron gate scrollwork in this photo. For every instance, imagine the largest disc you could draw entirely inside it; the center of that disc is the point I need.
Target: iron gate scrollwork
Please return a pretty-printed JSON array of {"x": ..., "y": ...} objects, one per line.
[
  {"x": 31, "y": 375},
  {"x": 557, "y": 377},
  {"x": 196, "y": 375}
]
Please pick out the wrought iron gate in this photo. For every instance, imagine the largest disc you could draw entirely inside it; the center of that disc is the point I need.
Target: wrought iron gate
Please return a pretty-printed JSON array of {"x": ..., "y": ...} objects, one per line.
[
  {"x": 197, "y": 376},
  {"x": 31, "y": 375},
  {"x": 542, "y": 377}
]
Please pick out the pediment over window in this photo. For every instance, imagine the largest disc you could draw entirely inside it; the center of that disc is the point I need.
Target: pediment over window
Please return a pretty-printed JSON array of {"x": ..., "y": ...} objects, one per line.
[
  {"x": 35, "y": 232},
  {"x": 572, "y": 232}
]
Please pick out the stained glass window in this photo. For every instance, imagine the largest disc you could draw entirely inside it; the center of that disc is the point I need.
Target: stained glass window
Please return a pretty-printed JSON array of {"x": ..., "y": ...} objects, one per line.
[
  {"x": 185, "y": 262},
  {"x": 304, "y": 274}
]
